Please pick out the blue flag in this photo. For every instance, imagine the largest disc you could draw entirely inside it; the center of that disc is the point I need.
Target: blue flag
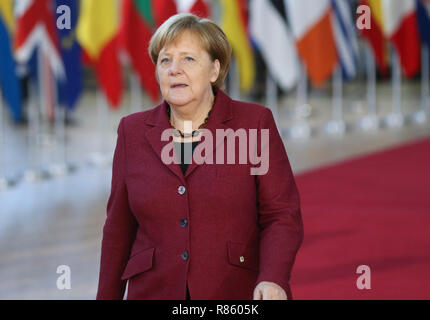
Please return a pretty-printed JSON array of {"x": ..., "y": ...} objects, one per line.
[
  {"x": 423, "y": 12},
  {"x": 9, "y": 81},
  {"x": 70, "y": 90}
]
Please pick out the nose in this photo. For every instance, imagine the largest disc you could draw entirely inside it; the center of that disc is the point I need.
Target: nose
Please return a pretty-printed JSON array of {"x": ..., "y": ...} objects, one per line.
[{"x": 175, "y": 67}]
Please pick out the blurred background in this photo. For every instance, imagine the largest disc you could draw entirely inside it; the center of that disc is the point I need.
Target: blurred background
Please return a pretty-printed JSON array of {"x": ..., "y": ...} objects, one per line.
[{"x": 347, "y": 82}]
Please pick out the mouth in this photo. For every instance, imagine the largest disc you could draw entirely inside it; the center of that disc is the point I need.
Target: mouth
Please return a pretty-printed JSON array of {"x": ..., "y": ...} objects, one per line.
[{"x": 178, "y": 86}]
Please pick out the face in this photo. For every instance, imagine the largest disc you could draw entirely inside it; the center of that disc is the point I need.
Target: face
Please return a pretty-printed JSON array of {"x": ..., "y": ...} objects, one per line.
[{"x": 185, "y": 71}]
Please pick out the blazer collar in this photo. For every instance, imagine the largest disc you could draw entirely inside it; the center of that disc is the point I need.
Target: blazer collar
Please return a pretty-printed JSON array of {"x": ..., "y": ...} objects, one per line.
[{"x": 222, "y": 111}]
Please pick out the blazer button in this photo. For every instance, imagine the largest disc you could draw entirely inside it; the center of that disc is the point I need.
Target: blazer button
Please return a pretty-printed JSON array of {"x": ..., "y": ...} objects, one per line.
[
  {"x": 181, "y": 190},
  {"x": 184, "y": 222},
  {"x": 185, "y": 255}
]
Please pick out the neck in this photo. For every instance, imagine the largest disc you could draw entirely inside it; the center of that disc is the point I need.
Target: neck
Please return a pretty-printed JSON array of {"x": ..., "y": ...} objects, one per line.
[{"x": 194, "y": 111}]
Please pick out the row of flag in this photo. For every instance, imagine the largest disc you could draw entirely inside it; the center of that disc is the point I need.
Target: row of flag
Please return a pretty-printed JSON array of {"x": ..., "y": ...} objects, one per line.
[
  {"x": 405, "y": 24},
  {"x": 32, "y": 40},
  {"x": 322, "y": 34}
]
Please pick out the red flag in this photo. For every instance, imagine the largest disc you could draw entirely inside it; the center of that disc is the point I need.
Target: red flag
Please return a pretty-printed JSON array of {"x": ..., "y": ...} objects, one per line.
[
  {"x": 375, "y": 35},
  {"x": 97, "y": 32},
  {"x": 163, "y": 10},
  {"x": 401, "y": 27},
  {"x": 197, "y": 7},
  {"x": 135, "y": 34},
  {"x": 36, "y": 29},
  {"x": 312, "y": 28}
]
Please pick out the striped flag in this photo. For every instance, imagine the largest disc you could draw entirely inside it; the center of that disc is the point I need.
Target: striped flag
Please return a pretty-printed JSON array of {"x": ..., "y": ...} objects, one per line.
[
  {"x": 269, "y": 30},
  {"x": 9, "y": 83},
  {"x": 164, "y": 9},
  {"x": 97, "y": 32},
  {"x": 423, "y": 12},
  {"x": 234, "y": 22},
  {"x": 36, "y": 29},
  {"x": 313, "y": 32},
  {"x": 135, "y": 33},
  {"x": 375, "y": 35},
  {"x": 346, "y": 37},
  {"x": 401, "y": 28}
]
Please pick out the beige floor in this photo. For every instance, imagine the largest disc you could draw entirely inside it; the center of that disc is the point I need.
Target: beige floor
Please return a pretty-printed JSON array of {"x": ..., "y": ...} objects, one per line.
[{"x": 59, "y": 221}]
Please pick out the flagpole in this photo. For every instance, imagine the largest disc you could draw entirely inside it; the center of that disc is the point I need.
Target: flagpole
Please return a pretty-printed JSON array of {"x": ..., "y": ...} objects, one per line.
[
  {"x": 60, "y": 167},
  {"x": 99, "y": 158},
  {"x": 69, "y": 166},
  {"x": 33, "y": 172},
  {"x": 422, "y": 115},
  {"x": 425, "y": 94},
  {"x": 34, "y": 112},
  {"x": 46, "y": 137},
  {"x": 58, "y": 161},
  {"x": 135, "y": 92},
  {"x": 301, "y": 128},
  {"x": 272, "y": 98},
  {"x": 4, "y": 183},
  {"x": 336, "y": 125},
  {"x": 370, "y": 121},
  {"x": 396, "y": 118},
  {"x": 234, "y": 80},
  {"x": 46, "y": 146}
]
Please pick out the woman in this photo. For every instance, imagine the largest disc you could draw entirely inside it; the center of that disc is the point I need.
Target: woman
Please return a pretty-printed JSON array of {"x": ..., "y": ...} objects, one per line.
[{"x": 200, "y": 231}]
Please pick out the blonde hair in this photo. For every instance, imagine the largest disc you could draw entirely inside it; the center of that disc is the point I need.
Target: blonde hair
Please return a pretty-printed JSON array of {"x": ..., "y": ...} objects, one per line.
[{"x": 212, "y": 37}]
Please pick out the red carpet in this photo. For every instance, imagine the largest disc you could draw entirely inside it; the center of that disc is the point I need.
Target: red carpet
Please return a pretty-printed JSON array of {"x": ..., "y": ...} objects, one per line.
[{"x": 375, "y": 211}]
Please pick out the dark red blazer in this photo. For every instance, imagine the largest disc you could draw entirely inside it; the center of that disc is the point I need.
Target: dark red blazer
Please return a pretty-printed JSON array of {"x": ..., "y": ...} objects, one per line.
[{"x": 240, "y": 229}]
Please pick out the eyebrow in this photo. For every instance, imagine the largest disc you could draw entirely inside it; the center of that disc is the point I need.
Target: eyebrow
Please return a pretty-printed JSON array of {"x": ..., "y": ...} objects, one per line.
[{"x": 182, "y": 53}]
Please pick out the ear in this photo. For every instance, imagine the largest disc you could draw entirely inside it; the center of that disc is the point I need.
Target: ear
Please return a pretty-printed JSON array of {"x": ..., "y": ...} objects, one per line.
[{"x": 216, "y": 66}]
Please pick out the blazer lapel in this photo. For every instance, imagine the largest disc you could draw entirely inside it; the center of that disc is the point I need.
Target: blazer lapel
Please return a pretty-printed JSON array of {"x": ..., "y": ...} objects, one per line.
[
  {"x": 222, "y": 111},
  {"x": 154, "y": 137}
]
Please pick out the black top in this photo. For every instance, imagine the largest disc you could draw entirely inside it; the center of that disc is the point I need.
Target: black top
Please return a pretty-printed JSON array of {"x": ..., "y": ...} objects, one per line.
[{"x": 185, "y": 161}]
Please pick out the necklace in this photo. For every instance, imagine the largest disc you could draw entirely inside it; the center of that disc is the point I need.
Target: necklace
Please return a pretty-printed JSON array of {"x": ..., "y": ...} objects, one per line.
[{"x": 195, "y": 133}]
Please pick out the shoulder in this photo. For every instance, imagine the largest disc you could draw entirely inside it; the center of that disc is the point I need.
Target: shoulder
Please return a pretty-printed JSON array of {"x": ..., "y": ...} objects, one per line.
[
  {"x": 250, "y": 108},
  {"x": 253, "y": 112},
  {"x": 137, "y": 118},
  {"x": 135, "y": 122}
]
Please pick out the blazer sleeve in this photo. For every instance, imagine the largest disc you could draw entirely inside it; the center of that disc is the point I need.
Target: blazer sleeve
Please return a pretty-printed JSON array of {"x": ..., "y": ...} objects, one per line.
[
  {"x": 119, "y": 229},
  {"x": 279, "y": 214}
]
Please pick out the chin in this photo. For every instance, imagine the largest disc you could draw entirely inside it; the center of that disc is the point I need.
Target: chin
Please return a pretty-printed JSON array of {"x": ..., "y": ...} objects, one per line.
[{"x": 178, "y": 101}]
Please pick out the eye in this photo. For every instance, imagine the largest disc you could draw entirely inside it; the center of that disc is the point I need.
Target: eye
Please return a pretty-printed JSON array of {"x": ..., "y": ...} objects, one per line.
[
  {"x": 164, "y": 60},
  {"x": 189, "y": 59}
]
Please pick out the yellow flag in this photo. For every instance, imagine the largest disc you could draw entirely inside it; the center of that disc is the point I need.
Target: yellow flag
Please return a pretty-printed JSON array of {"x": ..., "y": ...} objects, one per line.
[
  {"x": 97, "y": 25},
  {"x": 235, "y": 29},
  {"x": 377, "y": 12},
  {"x": 6, "y": 14}
]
